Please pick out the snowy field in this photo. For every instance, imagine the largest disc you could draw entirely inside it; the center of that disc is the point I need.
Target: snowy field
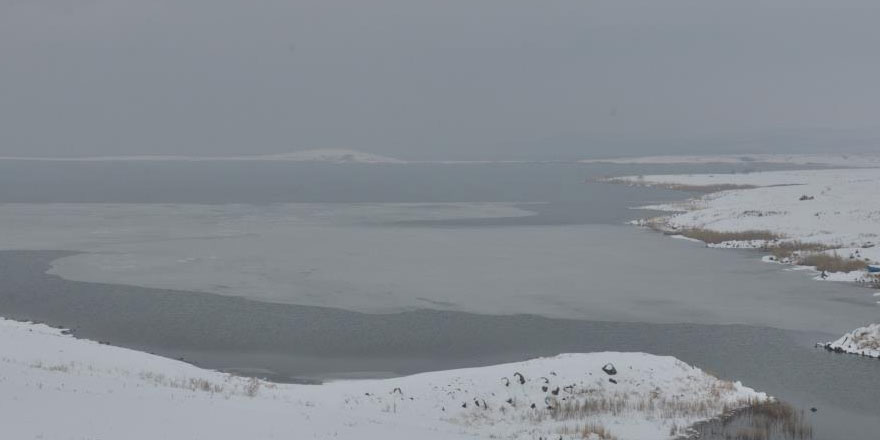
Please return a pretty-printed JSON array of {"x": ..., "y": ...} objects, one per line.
[
  {"x": 837, "y": 212},
  {"x": 53, "y": 386}
]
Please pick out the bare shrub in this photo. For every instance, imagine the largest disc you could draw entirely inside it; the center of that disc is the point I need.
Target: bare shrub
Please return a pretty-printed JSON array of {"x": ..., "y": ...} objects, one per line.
[
  {"x": 205, "y": 385},
  {"x": 252, "y": 388},
  {"x": 591, "y": 430},
  {"x": 58, "y": 368},
  {"x": 832, "y": 263},
  {"x": 874, "y": 280},
  {"x": 192, "y": 384},
  {"x": 714, "y": 237}
]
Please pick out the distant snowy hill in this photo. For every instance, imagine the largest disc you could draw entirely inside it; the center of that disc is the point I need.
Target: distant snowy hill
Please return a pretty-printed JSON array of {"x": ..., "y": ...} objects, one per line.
[{"x": 331, "y": 155}]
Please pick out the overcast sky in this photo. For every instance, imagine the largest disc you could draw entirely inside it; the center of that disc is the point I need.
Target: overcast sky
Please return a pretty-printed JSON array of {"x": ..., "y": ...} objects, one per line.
[{"x": 429, "y": 79}]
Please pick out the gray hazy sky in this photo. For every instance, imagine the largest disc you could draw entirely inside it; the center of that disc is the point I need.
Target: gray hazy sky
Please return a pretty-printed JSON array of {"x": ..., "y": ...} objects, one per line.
[{"x": 421, "y": 79}]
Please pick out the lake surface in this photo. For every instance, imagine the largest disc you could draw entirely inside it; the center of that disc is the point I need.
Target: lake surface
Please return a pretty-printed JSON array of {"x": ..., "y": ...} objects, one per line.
[{"x": 318, "y": 271}]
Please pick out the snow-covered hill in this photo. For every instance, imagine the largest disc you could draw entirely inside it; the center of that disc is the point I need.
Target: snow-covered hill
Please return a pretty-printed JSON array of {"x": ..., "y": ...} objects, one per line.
[
  {"x": 53, "y": 386},
  {"x": 333, "y": 155}
]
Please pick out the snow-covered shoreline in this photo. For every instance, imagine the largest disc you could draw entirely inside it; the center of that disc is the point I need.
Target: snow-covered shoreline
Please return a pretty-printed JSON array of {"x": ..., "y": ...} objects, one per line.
[
  {"x": 825, "y": 160},
  {"x": 53, "y": 385},
  {"x": 813, "y": 219},
  {"x": 834, "y": 208},
  {"x": 864, "y": 341}
]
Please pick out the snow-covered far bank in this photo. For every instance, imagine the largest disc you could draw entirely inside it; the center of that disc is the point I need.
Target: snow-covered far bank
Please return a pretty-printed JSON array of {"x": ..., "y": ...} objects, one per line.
[
  {"x": 55, "y": 386},
  {"x": 864, "y": 341},
  {"x": 824, "y": 220},
  {"x": 332, "y": 155},
  {"x": 835, "y": 160},
  {"x": 828, "y": 219}
]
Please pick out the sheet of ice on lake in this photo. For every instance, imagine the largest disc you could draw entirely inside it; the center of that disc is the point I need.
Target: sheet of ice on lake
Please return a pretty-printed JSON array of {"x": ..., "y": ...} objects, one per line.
[{"x": 357, "y": 257}]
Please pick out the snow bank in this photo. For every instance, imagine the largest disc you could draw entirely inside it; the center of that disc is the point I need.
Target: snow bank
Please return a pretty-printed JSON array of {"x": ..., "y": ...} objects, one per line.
[
  {"x": 334, "y": 155},
  {"x": 55, "y": 386},
  {"x": 838, "y": 160},
  {"x": 864, "y": 341}
]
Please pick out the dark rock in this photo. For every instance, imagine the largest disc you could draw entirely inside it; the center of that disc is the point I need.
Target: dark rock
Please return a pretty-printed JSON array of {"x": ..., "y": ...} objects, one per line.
[
  {"x": 609, "y": 369},
  {"x": 612, "y": 381}
]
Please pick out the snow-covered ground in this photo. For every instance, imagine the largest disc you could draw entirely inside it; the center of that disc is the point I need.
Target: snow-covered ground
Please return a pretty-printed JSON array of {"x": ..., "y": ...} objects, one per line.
[
  {"x": 836, "y": 160},
  {"x": 864, "y": 341},
  {"x": 333, "y": 155},
  {"x": 53, "y": 386},
  {"x": 837, "y": 208}
]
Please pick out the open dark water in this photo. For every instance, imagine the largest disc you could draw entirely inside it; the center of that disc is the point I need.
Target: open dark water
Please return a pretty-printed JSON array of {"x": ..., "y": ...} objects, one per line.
[{"x": 292, "y": 342}]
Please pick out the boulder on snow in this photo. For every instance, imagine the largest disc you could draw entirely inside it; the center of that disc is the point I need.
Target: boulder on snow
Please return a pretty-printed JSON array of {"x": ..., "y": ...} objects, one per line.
[{"x": 609, "y": 369}]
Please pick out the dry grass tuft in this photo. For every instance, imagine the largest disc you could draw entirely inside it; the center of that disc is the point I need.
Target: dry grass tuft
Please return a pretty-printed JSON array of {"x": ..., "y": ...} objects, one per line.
[
  {"x": 865, "y": 341},
  {"x": 714, "y": 237},
  {"x": 785, "y": 249},
  {"x": 832, "y": 263},
  {"x": 759, "y": 421},
  {"x": 58, "y": 368},
  {"x": 592, "y": 431}
]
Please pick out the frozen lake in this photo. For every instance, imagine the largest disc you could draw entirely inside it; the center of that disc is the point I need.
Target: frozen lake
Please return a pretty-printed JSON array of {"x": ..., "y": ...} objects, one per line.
[{"x": 378, "y": 258}]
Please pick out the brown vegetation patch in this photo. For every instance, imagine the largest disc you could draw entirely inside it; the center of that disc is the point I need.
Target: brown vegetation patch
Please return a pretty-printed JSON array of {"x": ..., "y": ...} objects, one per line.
[
  {"x": 785, "y": 249},
  {"x": 588, "y": 431},
  {"x": 832, "y": 263},
  {"x": 639, "y": 181}
]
